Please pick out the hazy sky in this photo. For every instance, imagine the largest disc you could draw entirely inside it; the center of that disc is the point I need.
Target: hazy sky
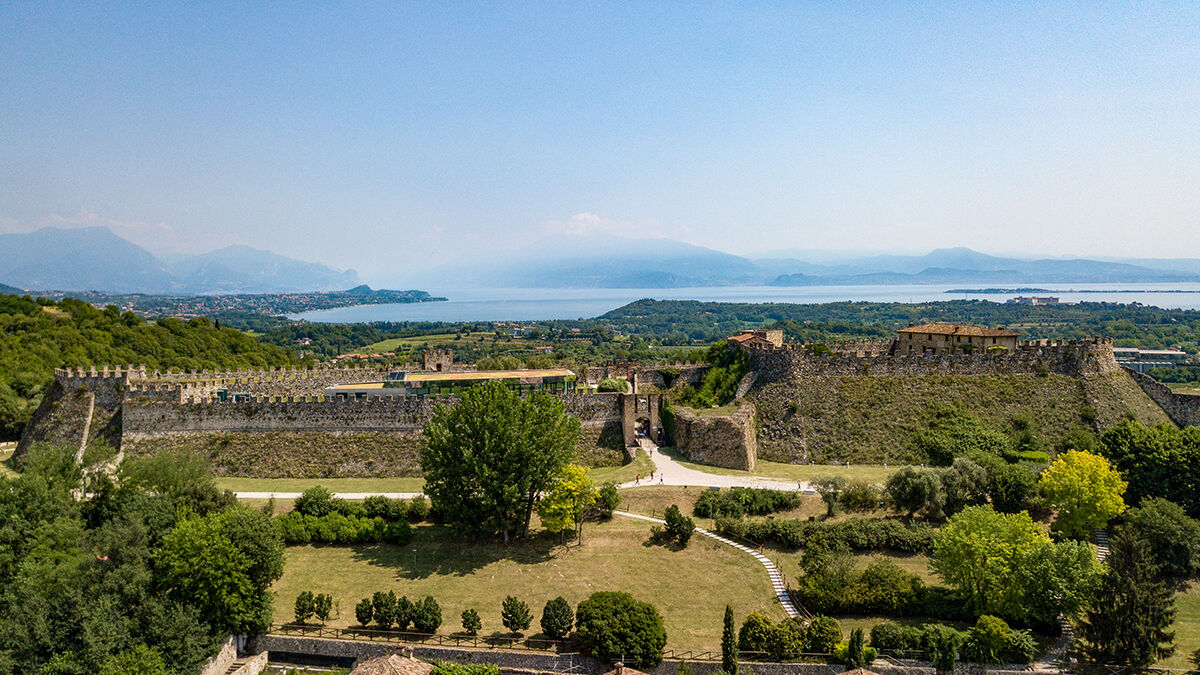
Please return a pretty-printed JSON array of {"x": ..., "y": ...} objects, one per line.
[{"x": 388, "y": 135}]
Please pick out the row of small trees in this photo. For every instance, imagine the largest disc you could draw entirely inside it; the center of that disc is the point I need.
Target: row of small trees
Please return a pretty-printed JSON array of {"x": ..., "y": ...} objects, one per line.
[
  {"x": 557, "y": 617},
  {"x": 386, "y": 612},
  {"x": 309, "y": 605}
]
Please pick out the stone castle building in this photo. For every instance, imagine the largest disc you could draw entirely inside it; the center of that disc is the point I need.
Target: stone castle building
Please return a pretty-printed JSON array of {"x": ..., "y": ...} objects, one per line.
[{"x": 952, "y": 338}]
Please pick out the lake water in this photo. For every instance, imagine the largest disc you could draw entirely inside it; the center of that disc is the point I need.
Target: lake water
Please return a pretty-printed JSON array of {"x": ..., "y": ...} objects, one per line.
[{"x": 539, "y": 304}]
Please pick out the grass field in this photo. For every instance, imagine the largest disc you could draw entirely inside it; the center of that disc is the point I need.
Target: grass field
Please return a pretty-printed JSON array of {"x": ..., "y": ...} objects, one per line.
[
  {"x": 1184, "y": 388},
  {"x": 618, "y": 474},
  {"x": 1187, "y": 630},
  {"x": 873, "y": 473},
  {"x": 434, "y": 340},
  {"x": 6, "y": 453},
  {"x": 690, "y": 587}
]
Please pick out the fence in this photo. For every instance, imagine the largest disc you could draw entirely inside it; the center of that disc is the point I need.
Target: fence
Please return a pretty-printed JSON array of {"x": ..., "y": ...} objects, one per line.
[{"x": 477, "y": 641}]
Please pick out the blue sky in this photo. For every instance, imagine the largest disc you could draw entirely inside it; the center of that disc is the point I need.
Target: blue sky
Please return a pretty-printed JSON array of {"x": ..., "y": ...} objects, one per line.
[{"x": 385, "y": 134}]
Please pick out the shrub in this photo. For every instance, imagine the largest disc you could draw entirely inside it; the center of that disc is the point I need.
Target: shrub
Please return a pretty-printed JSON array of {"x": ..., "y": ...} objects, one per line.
[
  {"x": 405, "y": 613},
  {"x": 855, "y": 654},
  {"x": 418, "y": 509},
  {"x": 912, "y": 491},
  {"x": 953, "y": 433},
  {"x": 607, "y": 500},
  {"x": 470, "y": 622},
  {"x": 515, "y": 614},
  {"x": 304, "y": 606},
  {"x": 315, "y": 501},
  {"x": 427, "y": 616},
  {"x": 824, "y": 633},
  {"x": 737, "y": 502},
  {"x": 941, "y": 644},
  {"x": 785, "y": 639},
  {"x": 830, "y": 488},
  {"x": 613, "y": 384},
  {"x": 893, "y": 637},
  {"x": 831, "y": 585},
  {"x": 364, "y": 611},
  {"x": 384, "y": 605},
  {"x": 449, "y": 668},
  {"x": 614, "y": 625},
  {"x": 679, "y": 527},
  {"x": 557, "y": 618},
  {"x": 391, "y": 510},
  {"x": 322, "y": 606},
  {"x": 861, "y": 534},
  {"x": 755, "y": 630},
  {"x": 991, "y": 641},
  {"x": 398, "y": 532},
  {"x": 860, "y": 496}
]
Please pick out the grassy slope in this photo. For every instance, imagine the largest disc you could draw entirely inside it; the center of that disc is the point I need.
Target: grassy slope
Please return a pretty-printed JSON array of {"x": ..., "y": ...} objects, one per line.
[
  {"x": 690, "y": 587},
  {"x": 873, "y": 419},
  {"x": 1187, "y": 629}
]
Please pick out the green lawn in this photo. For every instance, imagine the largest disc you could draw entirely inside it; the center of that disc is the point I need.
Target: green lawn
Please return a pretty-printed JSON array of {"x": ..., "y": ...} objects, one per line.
[
  {"x": 433, "y": 340},
  {"x": 1184, "y": 387},
  {"x": 641, "y": 464},
  {"x": 874, "y": 473},
  {"x": 1187, "y": 629},
  {"x": 6, "y": 453},
  {"x": 690, "y": 587}
]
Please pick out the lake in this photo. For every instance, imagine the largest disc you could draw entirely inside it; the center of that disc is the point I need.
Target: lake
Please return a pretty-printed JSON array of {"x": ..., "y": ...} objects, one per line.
[{"x": 540, "y": 304}]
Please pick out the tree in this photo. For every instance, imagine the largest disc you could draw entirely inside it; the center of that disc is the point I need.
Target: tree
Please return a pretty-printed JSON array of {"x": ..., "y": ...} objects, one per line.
[
  {"x": 322, "y": 606},
  {"x": 488, "y": 459},
  {"x": 785, "y": 639},
  {"x": 470, "y": 622},
  {"x": 729, "y": 649},
  {"x": 1161, "y": 461},
  {"x": 1054, "y": 579},
  {"x": 977, "y": 554},
  {"x": 1174, "y": 538},
  {"x": 953, "y": 434},
  {"x": 384, "y": 605},
  {"x": 612, "y": 625},
  {"x": 608, "y": 499},
  {"x": 563, "y": 508},
  {"x": 304, "y": 606},
  {"x": 856, "y": 655},
  {"x": 941, "y": 644},
  {"x": 557, "y": 618},
  {"x": 515, "y": 614},
  {"x": 752, "y": 636},
  {"x": 987, "y": 642},
  {"x": 679, "y": 527},
  {"x": 824, "y": 633},
  {"x": 964, "y": 484},
  {"x": 315, "y": 501},
  {"x": 405, "y": 613},
  {"x": 1128, "y": 620},
  {"x": 427, "y": 616},
  {"x": 364, "y": 611},
  {"x": 1085, "y": 490},
  {"x": 830, "y": 488},
  {"x": 911, "y": 490}
]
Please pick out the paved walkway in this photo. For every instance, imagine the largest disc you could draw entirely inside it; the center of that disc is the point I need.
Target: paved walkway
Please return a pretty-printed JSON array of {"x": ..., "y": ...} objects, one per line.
[
  {"x": 339, "y": 495},
  {"x": 773, "y": 572},
  {"x": 674, "y": 473}
]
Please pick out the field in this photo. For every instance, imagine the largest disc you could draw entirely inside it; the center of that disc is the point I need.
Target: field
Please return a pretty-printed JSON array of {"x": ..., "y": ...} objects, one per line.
[
  {"x": 690, "y": 587},
  {"x": 432, "y": 340},
  {"x": 1187, "y": 630},
  {"x": 1184, "y": 387},
  {"x": 618, "y": 474}
]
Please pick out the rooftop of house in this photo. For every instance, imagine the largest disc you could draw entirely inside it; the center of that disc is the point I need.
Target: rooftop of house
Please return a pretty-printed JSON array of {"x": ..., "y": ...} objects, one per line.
[
  {"x": 393, "y": 664},
  {"x": 958, "y": 329}
]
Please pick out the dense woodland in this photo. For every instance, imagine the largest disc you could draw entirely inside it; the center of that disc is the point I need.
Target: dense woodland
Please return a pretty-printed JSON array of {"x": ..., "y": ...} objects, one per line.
[{"x": 38, "y": 336}]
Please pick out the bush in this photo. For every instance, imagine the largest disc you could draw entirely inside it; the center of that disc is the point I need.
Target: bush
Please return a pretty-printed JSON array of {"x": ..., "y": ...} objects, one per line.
[
  {"x": 737, "y": 502},
  {"x": 893, "y": 637},
  {"x": 679, "y": 527},
  {"x": 830, "y": 488},
  {"x": 304, "y": 606},
  {"x": 831, "y": 585},
  {"x": 613, "y": 384},
  {"x": 785, "y": 639},
  {"x": 384, "y": 606},
  {"x": 991, "y": 641},
  {"x": 315, "y": 501},
  {"x": 860, "y": 496},
  {"x": 391, "y": 510},
  {"x": 418, "y": 509},
  {"x": 470, "y": 622},
  {"x": 515, "y": 614},
  {"x": 755, "y": 630},
  {"x": 336, "y": 528},
  {"x": 427, "y": 616},
  {"x": 449, "y": 668},
  {"x": 855, "y": 653},
  {"x": 607, "y": 500},
  {"x": 941, "y": 644},
  {"x": 861, "y": 534},
  {"x": 364, "y": 611},
  {"x": 824, "y": 633},
  {"x": 952, "y": 434},
  {"x": 322, "y": 606},
  {"x": 398, "y": 533},
  {"x": 613, "y": 625},
  {"x": 557, "y": 618}
]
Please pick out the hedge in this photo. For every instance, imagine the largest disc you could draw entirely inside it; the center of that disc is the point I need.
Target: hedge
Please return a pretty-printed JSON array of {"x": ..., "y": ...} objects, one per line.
[
  {"x": 737, "y": 502},
  {"x": 860, "y": 534},
  {"x": 335, "y": 528}
]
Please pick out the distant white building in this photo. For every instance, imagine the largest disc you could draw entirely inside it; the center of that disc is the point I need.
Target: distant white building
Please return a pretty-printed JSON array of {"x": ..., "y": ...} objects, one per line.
[{"x": 1142, "y": 360}]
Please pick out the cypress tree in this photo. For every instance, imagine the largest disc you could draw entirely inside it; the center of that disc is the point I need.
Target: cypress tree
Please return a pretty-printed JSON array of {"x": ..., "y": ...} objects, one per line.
[
  {"x": 1132, "y": 609},
  {"x": 729, "y": 647}
]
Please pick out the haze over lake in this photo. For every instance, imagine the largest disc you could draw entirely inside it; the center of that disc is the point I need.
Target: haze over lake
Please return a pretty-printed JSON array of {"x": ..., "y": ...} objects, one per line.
[{"x": 536, "y": 304}]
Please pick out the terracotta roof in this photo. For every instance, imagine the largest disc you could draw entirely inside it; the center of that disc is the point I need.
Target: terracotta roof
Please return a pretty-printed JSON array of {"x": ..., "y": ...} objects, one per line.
[
  {"x": 958, "y": 329},
  {"x": 622, "y": 669},
  {"x": 394, "y": 664},
  {"x": 860, "y": 671}
]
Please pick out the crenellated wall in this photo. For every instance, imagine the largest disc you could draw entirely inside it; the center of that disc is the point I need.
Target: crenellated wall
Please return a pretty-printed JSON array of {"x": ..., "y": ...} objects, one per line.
[
  {"x": 1063, "y": 357},
  {"x": 1183, "y": 409}
]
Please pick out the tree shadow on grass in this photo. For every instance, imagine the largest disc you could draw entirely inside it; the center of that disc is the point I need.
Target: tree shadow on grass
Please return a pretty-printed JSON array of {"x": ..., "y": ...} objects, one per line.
[{"x": 436, "y": 550}]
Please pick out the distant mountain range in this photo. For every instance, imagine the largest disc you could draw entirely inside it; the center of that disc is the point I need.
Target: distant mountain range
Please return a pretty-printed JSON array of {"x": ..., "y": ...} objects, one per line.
[
  {"x": 615, "y": 262},
  {"x": 94, "y": 258}
]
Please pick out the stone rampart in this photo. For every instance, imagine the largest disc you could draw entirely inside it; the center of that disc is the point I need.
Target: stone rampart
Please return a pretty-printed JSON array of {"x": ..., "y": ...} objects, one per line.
[
  {"x": 1183, "y": 409},
  {"x": 658, "y": 375},
  {"x": 720, "y": 440},
  {"x": 1064, "y": 357}
]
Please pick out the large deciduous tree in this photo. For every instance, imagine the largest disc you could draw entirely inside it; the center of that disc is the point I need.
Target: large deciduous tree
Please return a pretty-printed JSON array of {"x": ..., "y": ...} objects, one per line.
[
  {"x": 1161, "y": 461},
  {"x": 1085, "y": 490},
  {"x": 977, "y": 553},
  {"x": 568, "y": 500},
  {"x": 488, "y": 459}
]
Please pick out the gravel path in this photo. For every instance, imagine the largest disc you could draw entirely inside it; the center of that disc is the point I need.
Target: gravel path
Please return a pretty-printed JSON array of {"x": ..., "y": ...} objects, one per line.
[{"x": 670, "y": 472}]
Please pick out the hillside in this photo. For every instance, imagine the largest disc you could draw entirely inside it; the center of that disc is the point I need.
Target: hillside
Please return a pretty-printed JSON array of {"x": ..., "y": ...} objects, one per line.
[{"x": 874, "y": 419}]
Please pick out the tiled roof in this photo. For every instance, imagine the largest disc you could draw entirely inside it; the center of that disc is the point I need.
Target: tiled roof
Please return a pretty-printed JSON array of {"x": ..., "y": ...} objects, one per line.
[
  {"x": 957, "y": 329},
  {"x": 394, "y": 664}
]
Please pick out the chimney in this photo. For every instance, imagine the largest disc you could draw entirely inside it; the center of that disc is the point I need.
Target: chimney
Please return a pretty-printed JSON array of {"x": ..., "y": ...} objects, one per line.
[{"x": 619, "y": 668}]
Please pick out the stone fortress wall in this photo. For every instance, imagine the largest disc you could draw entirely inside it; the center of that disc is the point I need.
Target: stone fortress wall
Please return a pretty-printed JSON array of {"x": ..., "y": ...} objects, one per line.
[
  {"x": 1035, "y": 357},
  {"x": 1183, "y": 409}
]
